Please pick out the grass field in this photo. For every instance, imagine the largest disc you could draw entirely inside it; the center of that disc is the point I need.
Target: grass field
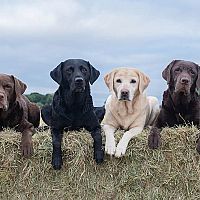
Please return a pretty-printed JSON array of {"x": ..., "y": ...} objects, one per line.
[{"x": 172, "y": 172}]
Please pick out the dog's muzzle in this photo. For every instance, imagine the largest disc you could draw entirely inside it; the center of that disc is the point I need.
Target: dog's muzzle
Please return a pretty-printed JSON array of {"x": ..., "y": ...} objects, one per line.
[
  {"x": 79, "y": 84},
  {"x": 184, "y": 81},
  {"x": 3, "y": 103},
  {"x": 124, "y": 95},
  {"x": 183, "y": 86}
]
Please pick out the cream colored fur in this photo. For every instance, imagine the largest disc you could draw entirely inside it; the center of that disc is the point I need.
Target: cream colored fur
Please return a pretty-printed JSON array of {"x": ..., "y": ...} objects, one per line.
[{"x": 131, "y": 115}]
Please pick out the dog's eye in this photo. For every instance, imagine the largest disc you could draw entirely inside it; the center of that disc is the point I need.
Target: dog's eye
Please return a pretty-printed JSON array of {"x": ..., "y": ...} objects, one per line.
[
  {"x": 192, "y": 72},
  {"x": 133, "y": 81},
  {"x": 118, "y": 81},
  {"x": 69, "y": 70},
  {"x": 177, "y": 70},
  {"x": 7, "y": 86},
  {"x": 83, "y": 70}
]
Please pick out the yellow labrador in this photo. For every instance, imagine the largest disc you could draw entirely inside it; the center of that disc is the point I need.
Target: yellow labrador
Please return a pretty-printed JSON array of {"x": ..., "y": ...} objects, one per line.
[{"x": 127, "y": 107}]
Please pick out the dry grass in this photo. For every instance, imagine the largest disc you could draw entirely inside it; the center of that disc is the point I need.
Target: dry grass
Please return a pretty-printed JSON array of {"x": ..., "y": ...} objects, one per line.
[{"x": 172, "y": 172}]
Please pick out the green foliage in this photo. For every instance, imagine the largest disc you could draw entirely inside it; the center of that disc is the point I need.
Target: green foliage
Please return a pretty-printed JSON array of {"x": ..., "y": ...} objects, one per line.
[{"x": 40, "y": 99}]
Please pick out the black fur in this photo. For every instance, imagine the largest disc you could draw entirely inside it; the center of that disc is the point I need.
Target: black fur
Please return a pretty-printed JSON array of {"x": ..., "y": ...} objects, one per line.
[
  {"x": 72, "y": 106},
  {"x": 100, "y": 112}
]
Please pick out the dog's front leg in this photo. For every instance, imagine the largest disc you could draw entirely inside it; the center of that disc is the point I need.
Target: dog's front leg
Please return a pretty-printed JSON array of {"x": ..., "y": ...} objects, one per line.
[
  {"x": 26, "y": 142},
  {"x": 123, "y": 143},
  {"x": 198, "y": 141},
  {"x": 57, "y": 135},
  {"x": 154, "y": 139},
  {"x": 110, "y": 146},
  {"x": 98, "y": 151},
  {"x": 27, "y": 131}
]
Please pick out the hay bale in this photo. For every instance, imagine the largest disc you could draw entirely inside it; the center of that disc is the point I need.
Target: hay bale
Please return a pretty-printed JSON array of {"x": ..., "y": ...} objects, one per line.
[{"x": 171, "y": 172}]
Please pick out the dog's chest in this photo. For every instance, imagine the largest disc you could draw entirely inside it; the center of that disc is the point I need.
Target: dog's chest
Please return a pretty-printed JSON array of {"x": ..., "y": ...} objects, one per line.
[
  {"x": 73, "y": 119},
  {"x": 185, "y": 114},
  {"x": 126, "y": 122},
  {"x": 78, "y": 120},
  {"x": 124, "y": 119},
  {"x": 183, "y": 118},
  {"x": 10, "y": 121}
]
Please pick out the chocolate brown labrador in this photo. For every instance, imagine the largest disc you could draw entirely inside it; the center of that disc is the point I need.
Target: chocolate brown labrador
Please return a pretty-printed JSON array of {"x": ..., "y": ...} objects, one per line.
[
  {"x": 181, "y": 101},
  {"x": 17, "y": 112}
]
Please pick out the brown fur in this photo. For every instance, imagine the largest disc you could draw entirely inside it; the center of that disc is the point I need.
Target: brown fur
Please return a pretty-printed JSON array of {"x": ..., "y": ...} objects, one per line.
[
  {"x": 181, "y": 101},
  {"x": 17, "y": 112}
]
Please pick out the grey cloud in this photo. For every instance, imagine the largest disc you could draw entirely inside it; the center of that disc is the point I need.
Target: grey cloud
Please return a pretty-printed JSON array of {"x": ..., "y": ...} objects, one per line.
[{"x": 37, "y": 35}]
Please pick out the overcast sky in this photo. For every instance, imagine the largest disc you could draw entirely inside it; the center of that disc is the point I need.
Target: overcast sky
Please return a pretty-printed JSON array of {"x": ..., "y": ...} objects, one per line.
[{"x": 35, "y": 36}]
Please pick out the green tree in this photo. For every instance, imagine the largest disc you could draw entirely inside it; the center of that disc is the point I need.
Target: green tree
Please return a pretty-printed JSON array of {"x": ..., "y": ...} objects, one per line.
[{"x": 40, "y": 99}]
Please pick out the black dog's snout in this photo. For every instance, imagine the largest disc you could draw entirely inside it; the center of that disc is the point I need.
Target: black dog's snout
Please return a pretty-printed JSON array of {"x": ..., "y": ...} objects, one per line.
[
  {"x": 78, "y": 80},
  {"x": 79, "y": 84},
  {"x": 184, "y": 80}
]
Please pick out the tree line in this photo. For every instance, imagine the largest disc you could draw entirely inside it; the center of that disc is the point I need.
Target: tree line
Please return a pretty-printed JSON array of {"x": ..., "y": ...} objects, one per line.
[{"x": 40, "y": 99}]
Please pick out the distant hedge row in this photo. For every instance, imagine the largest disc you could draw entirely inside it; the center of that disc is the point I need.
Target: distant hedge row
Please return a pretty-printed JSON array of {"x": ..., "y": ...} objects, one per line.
[{"x": 40, "y": 99}]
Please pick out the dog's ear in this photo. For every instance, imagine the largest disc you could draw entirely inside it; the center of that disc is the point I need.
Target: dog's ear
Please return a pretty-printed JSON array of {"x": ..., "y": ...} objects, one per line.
[
  {"x": 198, "y": 81},
  {"x": 166, "y": 74},
  {"x": 19, "y": 86},
  {"x": 109, "y": 80},
  {"x": 94, "y": 74},
  {"x": 56, "y": 74},
  {"x": 143, "y": 82}
]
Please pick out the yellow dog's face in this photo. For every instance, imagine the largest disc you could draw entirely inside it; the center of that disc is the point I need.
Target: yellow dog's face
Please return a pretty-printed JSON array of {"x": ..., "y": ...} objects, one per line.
[{"x": 126, "y": 83}]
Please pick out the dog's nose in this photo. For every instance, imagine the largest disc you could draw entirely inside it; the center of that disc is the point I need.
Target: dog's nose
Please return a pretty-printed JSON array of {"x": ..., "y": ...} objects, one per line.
[
  {"x": 125, "y": 93},
  {"x": 184, "y": 80},
  {"x": 1, "y": 96},
  {"x": 78, "y": 80}
]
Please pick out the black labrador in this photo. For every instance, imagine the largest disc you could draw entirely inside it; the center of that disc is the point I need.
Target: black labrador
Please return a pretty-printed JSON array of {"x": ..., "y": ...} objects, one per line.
[
  {"x": 100, "y": 112},
  {"x": 72, "y": 106},
  {"x": 181, "y": 101}
]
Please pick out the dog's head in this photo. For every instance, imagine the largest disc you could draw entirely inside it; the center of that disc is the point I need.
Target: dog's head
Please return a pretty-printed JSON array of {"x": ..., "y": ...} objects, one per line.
[
  {"x": 126, "y": 83},
  {"x": 10, "y": 88},
  {"x": 182, "y": 76},
  {"x": 75, "y": 73}
]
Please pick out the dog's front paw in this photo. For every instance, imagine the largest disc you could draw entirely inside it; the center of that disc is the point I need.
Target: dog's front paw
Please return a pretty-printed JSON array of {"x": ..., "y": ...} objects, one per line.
[
  {"x": 154, "y": 139},
  {"x": 110, "y": 147},
  {"x": 120, "y": 150},
  {"x": 27, "y": 149},
  {"x": 26, "y": 146},
  {"x": 99, "y": 156},
  {"x": 57, "y": 162}
]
